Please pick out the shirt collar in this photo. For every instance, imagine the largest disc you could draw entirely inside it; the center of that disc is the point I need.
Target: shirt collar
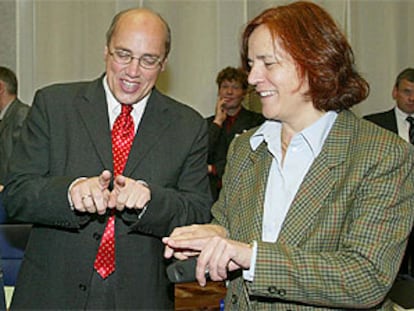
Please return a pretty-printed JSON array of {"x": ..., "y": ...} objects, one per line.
[
  {"x": 401, "y": 114},
  {"x": 114, "y": 106},
  {"x": 314, "y": 135}
]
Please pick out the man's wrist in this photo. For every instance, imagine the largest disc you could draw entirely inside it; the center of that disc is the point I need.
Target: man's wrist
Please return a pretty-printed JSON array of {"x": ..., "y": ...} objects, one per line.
[{"x": 70, "y": 188}]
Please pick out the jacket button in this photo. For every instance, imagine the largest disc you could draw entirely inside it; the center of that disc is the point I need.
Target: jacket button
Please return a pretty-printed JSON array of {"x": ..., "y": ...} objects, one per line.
[
  {"x": 96, "y": 236},
  {"x": 82, "y": 287},
  {"x": 234, "y": 299},
  {"x": 272, "y": 289}
]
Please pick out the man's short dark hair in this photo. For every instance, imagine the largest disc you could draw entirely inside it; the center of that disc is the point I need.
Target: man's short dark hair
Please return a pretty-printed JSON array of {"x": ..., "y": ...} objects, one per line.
[
  {"x": 9, "y": 78},
  {"x": 406, "y": 74}
]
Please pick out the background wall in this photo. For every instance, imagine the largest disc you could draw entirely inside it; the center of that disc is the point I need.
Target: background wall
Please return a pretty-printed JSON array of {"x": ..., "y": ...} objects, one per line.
[
  {"x": 8, "y": 33},
  {"x": 49, "y": 41}
]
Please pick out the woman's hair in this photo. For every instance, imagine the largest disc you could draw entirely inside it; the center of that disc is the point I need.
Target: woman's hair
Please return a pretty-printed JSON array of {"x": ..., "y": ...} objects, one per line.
[{"x": 320, "y": 50}]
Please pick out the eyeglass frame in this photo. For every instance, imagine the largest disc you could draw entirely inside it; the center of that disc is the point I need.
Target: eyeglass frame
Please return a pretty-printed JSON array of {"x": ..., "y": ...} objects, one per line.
[{"x": 115, "y": 54}]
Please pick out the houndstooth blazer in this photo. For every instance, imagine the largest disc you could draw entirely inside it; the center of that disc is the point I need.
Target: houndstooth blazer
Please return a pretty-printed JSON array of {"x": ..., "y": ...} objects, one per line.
[{"x": 342, "y": 241}]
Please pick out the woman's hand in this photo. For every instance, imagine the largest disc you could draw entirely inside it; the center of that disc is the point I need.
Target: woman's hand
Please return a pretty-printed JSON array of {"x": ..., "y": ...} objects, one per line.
[{"x": 216, "y": 253}]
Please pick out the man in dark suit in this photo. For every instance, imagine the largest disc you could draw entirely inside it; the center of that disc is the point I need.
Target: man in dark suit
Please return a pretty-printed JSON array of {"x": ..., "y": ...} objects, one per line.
[
  {"x": 230, "y": 119},
  {"x": 61, "y": 180},
  {"x": 12, "y": 114},
  {"x": 395, "y": 120}
]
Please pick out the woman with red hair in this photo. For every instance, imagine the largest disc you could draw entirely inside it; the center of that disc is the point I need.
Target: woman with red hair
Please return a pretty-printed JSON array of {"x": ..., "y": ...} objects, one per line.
[{"x": 316, "y": 204}]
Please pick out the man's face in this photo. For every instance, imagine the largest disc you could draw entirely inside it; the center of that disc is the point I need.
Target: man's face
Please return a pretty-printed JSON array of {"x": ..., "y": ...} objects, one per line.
[
  {"x": 404, "y": 96},
  {"x": 136, "y": 33}
]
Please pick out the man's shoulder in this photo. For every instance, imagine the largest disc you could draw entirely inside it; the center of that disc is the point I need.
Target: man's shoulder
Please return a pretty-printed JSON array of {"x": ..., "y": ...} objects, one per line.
[
  {"x": 380, "y": 115},
  {"x": 173, "y": 105},
  {"x": 386, "y": 119},
  {"x": 69, "y": 86},
  {"x": 19, "y": 105}
]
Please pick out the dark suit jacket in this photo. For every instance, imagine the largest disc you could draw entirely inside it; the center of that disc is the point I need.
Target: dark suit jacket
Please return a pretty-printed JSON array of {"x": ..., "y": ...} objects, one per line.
[
  {"x": 345, "y": 232},
  {"x": 10, "y": 128},
  {"x": 66, "y": 136},
  {"x": 385, "y": 119}
]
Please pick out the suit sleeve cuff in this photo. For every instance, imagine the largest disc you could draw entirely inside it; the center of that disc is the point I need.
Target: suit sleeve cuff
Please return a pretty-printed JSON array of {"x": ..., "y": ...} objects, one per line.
[{"x": 70, "y": 187}]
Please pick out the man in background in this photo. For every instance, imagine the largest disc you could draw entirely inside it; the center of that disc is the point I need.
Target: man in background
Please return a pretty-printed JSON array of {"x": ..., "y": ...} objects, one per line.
[
  {"x": 103, "y": 169},
  {"x": 230, "y": 119},
  {"x": 12, "y": 114},
  {"x": 400, "y": 120}
]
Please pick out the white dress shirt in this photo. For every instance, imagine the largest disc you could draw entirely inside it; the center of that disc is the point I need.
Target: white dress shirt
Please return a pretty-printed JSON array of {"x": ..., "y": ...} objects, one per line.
[
  {"x": 114, "y": 106},
  {"x": 114, "y": 110},
  {"x": 284, "y": 180},
  {"x": 403, "y": 125}
]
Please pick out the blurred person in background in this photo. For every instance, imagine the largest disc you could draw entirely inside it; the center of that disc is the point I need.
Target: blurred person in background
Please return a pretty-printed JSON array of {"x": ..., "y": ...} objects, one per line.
[{"x": 230, "y": 119}]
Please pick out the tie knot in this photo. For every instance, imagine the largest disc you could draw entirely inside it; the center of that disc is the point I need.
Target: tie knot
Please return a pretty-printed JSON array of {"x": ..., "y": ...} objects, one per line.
[
  {"x": 410, "y": 120},
  {"x": 126, "y": 109}
]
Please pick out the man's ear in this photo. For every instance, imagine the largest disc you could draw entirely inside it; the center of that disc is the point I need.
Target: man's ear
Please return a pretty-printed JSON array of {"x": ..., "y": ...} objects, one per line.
[
  {"x": 164, "y": 64},
  {"x": 394, "y": 92},
  {"x": 2, "y": 87}
]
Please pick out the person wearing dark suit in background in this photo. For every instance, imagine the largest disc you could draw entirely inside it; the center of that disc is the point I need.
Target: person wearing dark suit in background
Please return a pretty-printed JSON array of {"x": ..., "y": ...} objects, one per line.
[
  {"x": 78, "y": 183},
  {"x": 397, "y": 120},
  {"x": 317, "y": 204},
  {"x": 12, "y": 114},
  {"x": 230, "y": 119}
]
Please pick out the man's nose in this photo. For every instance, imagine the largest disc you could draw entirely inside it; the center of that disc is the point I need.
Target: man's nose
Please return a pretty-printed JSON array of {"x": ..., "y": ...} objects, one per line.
[{"x": 134, "y": 67}]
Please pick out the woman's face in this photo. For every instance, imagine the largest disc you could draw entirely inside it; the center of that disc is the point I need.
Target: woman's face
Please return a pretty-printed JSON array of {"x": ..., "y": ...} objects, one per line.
[
  {"x": 232, "y": 93},
  {"x": 275, "y": 77}
]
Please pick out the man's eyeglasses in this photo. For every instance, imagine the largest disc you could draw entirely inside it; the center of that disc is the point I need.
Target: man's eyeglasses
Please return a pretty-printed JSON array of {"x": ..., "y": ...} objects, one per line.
[{"x": 145, "y": 61}]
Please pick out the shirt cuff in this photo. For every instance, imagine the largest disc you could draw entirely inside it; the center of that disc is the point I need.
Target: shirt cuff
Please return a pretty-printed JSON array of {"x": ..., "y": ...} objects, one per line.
[{"x": 248, "y": 275}]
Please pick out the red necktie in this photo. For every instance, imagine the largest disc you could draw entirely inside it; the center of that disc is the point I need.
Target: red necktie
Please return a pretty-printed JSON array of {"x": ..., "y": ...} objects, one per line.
[
  {"x": 229, "y": 122},
  {"x": 123, "y": 133}
]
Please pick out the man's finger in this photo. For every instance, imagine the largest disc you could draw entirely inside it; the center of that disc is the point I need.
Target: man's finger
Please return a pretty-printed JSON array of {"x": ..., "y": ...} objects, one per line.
[{"x": 105, "y": 178}]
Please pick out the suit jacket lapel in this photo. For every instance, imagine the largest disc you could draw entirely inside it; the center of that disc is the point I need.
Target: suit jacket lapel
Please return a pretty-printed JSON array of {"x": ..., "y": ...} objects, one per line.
[
  {"x": 93, "y": 110},
  {"x": 318, "y": 182},
  {"x": 154, "y": 122}
]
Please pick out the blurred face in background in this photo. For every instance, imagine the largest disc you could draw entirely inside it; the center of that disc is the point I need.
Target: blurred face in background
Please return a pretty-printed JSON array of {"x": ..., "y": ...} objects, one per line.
[
  {"x": 403, "y": 94},
  {"x": 232, "y": 93}
]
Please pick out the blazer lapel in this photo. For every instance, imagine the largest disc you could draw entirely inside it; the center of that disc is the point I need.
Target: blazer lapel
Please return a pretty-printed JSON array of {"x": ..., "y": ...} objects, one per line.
[
  {"x": 251, "y": 212},
  {"x": 318, "y": 182},
  {"x": 93, "y": 111}
]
